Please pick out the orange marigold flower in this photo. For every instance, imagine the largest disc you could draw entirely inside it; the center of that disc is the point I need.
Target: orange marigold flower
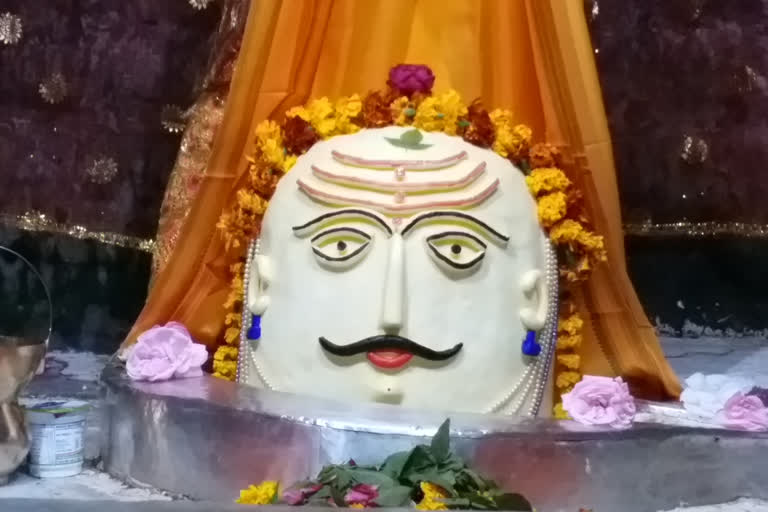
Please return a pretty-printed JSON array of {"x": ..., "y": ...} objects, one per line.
[
  {"x": 480, "y": 130},
  {"x": 544, "y": 155},
  {"x": 376, "y": 110}
]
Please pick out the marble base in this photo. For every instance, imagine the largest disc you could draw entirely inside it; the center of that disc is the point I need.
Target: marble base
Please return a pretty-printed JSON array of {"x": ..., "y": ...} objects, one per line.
[{"x": 206, "y": 439}]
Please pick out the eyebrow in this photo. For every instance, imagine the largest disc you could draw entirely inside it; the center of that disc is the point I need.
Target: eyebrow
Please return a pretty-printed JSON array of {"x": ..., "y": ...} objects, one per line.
[
  {"x": 348, "y": 213},
  {"x": 456, "y": 217}
]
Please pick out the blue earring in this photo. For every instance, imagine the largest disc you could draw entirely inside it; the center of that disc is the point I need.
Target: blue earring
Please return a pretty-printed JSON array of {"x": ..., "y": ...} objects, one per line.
[
  {"x": 530, "y": 347},
  {"x": 254, "y": 331}
]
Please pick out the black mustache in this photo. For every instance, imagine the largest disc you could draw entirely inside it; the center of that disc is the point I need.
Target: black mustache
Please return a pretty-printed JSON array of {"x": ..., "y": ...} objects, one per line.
[{"x": 389, "y": 341}]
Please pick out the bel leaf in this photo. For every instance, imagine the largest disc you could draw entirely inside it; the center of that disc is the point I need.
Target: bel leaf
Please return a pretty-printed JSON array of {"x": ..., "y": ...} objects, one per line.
[
  {"x": 420, "y": 460},
  {"x": 412, "y": 137},
  {"x": 393, "y": 466},
  {"x": 441, "y": 443},
  {"x": 397, "y": 496},
  {"x": 371, "y": 477}
]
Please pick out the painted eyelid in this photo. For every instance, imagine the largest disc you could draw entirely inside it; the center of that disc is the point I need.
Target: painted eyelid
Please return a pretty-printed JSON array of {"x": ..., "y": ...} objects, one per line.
[
  {"x": 458, "y": 234},
  {"x": 331, "y": 231}
]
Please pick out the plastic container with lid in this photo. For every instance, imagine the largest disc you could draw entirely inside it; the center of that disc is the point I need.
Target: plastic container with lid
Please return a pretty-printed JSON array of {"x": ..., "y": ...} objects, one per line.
[{"x": 57, "y": 430}]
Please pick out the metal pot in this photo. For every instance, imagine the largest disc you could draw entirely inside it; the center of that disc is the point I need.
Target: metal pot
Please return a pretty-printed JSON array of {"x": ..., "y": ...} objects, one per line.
[{"x": 19, "y": 360}]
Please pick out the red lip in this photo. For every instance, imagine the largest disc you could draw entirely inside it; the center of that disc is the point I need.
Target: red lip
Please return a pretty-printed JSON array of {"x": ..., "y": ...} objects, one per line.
[{"x": 389, "y": 358}]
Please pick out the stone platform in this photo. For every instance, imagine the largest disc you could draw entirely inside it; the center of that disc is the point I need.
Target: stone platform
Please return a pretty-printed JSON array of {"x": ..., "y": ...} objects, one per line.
[{"x": 206, "y": 439}]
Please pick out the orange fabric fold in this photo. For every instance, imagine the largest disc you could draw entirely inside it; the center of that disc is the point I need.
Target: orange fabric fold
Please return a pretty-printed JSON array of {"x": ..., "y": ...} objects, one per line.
[{"x": 530, "y": 56}]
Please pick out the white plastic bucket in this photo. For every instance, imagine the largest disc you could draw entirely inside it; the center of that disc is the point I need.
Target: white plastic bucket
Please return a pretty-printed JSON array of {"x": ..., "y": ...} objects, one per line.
[{"x": 56, "y": 430}]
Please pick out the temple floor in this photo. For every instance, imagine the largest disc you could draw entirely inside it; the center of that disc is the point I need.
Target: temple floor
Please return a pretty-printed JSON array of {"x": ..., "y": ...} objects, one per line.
[{"x": 75, "y": 375}]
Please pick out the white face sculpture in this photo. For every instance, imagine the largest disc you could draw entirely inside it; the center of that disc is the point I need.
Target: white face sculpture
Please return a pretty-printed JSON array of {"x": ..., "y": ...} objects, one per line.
[{"x": 405, "y": 276}]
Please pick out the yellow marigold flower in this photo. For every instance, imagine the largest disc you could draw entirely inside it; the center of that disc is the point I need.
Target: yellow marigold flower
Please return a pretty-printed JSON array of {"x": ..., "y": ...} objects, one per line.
[
  {"x": 262, "y": 494},
  {"x": 269, "y": 139},
  {"x": 288, "y": 162},
  {"x": 225, "y": 353},
  {"x": 559, "y": 413},
  {"x": 440, "y": 113},
  {"x": 570, "y": 361},
  {"x": 399, "y": 107},
  {"x": 571, "y": 325},
  {"x": 566, "y": 232},
  {"x": 433, "y": 494},
  {"x": 511, "y": 141},
  {"x": 300, "y": 111},
  {"x": 273, "y": 151},
  {"x": 268, "y": 130},
  {"x": 321, "y": 117},
  {"x": 501, "y": 118},
  {"x": 552, "y": 208},
  {"x": 547, "y": 179},
  {"x": 226, "y": 370},
  {"x": 568, "y": 341},
  {"x": 349, "y": 106},
  {"x": 347, "y": 109},
  {"x": 565, "y": 379},
  {"x": 250, "y": 202},
  {"x": 232, "y": 335}
]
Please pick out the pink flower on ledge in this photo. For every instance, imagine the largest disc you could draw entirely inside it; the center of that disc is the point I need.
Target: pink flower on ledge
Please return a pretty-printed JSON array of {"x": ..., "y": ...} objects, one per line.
[
  {"x": 600, "y": 401},
  {"x": 166, "y": 352},
  {"x": 744, "y": 413},
  {"x": 362, "y": 495}
]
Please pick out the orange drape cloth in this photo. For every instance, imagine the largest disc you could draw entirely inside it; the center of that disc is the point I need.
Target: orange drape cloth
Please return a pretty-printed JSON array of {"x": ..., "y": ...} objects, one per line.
[{"x": 531, "y": 56}]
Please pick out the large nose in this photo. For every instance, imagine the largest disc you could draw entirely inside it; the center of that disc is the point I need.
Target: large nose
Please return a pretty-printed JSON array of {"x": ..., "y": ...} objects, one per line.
[{"x": 393, "y": 306}]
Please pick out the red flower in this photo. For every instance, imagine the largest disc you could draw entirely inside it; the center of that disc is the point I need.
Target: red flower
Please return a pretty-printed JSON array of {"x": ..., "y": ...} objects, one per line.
[
  {"x": 376, "y": 111},
  {"x": 362, "y": 494},
  {"x": 411, "y": 78},
  {"x": 480, "y": 130},
  {"x": 299, "y": 135}
]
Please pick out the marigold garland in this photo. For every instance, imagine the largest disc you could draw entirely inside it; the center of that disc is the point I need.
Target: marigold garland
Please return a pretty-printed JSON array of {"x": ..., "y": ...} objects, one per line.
[{"x": 277, "y": 146}]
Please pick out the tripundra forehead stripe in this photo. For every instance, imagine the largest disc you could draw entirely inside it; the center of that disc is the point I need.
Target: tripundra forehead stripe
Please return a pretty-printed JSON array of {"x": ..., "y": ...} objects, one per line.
[
  {"x": 393, "y": 164},
  {"x": 459, "y": 218},
  {"x": 409, "y": 208},
  {"x": 434, "y": 186},
  {"x": 348, "y": 214}
]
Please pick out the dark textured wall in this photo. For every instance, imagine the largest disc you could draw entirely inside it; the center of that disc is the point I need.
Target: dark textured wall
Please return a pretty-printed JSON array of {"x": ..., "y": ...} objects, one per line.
[
  {"x": 87, "y": 82},
  {"x": 685, "y": 89}
]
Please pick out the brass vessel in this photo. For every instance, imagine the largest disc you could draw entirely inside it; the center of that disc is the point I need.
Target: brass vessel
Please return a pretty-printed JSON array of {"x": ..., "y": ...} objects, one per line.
[
  {"x": 20, "y": 359},
  {"x": 17, "y": 367}
]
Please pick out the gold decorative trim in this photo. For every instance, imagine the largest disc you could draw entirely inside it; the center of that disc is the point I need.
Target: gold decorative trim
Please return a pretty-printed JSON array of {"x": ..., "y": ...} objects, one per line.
[
  {"x": 35, "y": 221},
  {"x": 697, "y": 229}
]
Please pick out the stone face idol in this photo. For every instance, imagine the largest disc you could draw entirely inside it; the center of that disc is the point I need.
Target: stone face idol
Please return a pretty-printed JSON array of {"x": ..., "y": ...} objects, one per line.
[{"x": 401, "y": 274}]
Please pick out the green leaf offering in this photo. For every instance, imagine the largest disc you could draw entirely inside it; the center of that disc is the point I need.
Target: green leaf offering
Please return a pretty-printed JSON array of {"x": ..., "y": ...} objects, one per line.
[
  {"x": 397, "y": 481},
  {"x": 410, "y": 139}
]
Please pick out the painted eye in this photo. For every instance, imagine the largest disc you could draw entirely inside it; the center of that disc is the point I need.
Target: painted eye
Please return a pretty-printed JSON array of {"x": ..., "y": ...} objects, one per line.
[
  {"x": 340, "y": 248},
  {"x": 456, "y": 252}
]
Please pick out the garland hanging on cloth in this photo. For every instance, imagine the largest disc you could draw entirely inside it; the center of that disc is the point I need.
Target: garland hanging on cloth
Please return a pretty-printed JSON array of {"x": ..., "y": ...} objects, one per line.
[{"x": 408, "y": 101}]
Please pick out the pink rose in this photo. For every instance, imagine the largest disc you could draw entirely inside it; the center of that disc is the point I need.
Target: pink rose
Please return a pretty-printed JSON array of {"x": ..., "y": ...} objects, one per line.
[
  {"x": 600, "y": 401},
  {"x": 299, "y": 496},
  {"x": 166, "y": 352},
  {"x": 362, "y": 494},
  {"x": 744, "y": 413},
  {"x": 411, "y": 78}
]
